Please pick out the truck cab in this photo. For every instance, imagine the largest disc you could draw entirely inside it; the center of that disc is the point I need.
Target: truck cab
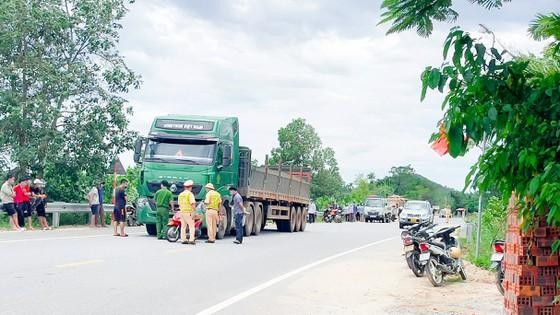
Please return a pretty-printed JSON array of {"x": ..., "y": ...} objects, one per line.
[{"x": 178, "y": 148}]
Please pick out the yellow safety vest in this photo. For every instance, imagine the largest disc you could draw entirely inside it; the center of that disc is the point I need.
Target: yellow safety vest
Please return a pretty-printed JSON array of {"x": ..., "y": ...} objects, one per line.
[{"x": 213, "y": 199}]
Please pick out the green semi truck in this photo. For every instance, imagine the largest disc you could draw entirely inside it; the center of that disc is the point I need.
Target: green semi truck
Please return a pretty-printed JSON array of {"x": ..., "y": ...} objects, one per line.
[{"x": 206, "y": 150}]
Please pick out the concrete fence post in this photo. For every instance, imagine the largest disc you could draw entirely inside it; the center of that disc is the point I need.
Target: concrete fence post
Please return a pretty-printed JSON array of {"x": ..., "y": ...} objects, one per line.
[{"x": 56, "y": 219}]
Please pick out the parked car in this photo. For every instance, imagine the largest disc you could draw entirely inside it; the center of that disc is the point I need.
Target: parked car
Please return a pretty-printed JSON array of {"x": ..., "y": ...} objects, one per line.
[
  {"x": 416, "y": 211},
  {"x": 377, "y": 209}
]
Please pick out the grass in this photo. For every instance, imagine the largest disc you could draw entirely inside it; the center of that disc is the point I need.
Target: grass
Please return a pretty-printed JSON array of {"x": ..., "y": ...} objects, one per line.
[{"x": 486, "y": 240}]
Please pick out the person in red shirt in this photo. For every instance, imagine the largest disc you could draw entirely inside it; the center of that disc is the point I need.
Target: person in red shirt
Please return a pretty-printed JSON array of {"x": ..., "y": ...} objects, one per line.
[{"x": 22, "y": 200}]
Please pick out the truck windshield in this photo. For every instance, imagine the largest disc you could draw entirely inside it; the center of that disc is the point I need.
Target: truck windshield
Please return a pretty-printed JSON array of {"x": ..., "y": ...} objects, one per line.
[
  {"x": 179, "y": 151},
  {"x": 374, "y": 203}
]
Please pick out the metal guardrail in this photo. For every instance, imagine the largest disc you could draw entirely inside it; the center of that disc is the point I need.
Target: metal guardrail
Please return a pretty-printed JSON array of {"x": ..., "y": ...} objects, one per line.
[{"x": 56, "y": 208}]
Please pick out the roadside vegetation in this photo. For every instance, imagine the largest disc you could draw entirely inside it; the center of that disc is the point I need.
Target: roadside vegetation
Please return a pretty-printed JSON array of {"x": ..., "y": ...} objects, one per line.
[{"x": 493, "y": 227}]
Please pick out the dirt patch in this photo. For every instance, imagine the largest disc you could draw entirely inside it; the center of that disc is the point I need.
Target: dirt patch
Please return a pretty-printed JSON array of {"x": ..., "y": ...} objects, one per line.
[{"x": 377, "y": 280}]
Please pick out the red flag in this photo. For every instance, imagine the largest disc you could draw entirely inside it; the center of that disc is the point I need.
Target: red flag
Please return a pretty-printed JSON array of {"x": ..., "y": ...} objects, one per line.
[{"x": 441, "y": 145}]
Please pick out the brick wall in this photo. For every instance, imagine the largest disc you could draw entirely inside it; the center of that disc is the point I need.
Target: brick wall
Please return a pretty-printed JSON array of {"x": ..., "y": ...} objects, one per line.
[{"x": 531, "y": 272}]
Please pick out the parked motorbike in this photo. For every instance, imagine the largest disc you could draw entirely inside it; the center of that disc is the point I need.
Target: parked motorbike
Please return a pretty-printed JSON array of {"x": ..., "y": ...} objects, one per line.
[
  {"x": 174, "y": 227},
  {"x": 333, "y": 215},
  {"x": 131, "y": 219},
  {"x": 412, "y": 238},
  {"x": 497, "y": 263},
  {"x": 444, "y": 258},
  {"x": 413, "y": 229},
  {"x": 339, "y": 216},
  {"x": 327, "y": 217}
]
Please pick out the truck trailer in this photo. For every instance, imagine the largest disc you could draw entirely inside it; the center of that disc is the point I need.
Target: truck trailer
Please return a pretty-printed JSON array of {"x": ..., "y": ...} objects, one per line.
[{"x": 206, "y": 150}]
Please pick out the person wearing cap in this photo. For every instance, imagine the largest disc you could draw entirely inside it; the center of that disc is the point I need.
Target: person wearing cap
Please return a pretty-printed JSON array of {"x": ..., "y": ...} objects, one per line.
[
  {"x": 40, "y": 202},
  {"x": 23, "y": 202},
  {"x": 7, "y": 197},
  {"x": 187, "y": 205},
  {"x": 213, "y": 201},
  {"x": 163, "y": 199}
]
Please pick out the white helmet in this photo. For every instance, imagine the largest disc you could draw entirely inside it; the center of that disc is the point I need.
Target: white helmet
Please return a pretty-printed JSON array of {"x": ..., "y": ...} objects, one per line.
[{"x": 455, "y": 252}]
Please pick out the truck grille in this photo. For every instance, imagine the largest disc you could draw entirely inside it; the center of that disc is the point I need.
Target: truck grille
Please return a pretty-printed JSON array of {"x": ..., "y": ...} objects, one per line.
[
  {"x": 155, "y": 186},
  {"x": 413, "y": 215}
]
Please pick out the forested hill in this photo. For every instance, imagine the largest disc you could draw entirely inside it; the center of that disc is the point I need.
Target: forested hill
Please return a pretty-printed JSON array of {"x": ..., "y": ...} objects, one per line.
[{"x": 406, "y": 182}]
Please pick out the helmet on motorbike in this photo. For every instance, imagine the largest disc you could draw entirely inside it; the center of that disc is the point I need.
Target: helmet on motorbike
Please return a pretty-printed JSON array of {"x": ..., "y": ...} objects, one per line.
[{"x": 455, "y": 252}]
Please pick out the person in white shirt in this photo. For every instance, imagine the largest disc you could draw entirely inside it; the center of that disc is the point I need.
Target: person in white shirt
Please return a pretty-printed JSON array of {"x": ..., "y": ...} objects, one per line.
[
  {"x": 350, "y": 213},
  {"x": 312, "y": 211},
  {"x": 93, "y": 201},
  {"x": 7, "y": 198}
]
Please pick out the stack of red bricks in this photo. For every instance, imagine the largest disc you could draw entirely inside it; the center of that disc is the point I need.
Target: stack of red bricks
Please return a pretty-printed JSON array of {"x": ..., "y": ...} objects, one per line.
[{"x": 531, "y": 272}]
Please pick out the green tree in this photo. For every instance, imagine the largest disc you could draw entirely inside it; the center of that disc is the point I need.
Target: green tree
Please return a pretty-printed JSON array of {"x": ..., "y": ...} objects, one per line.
[
  {"x": 420, "y": 14},
  {"x": 300, "y": 145},
  {"x": 382, "y": 189},
  {"x": 327, "y": 183},
  {"x": 510, "y": 102},
  {"x": 62, "y": 81},
  {"x": 133, "y": 177},
  {"x": 361, "y": 190}
]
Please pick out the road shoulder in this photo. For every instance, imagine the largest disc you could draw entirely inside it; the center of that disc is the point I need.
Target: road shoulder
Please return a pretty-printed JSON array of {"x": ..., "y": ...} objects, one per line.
[{"x": 375, "y": 280}]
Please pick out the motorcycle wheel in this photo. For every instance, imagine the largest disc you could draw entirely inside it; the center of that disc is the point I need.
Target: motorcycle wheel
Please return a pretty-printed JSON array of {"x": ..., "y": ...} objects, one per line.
[
  {"x": 409, "y": 261},
  {"x": 417, "y": 269},
  {"x": 462, "y": 273},
  {"x": 435, "y": 275},
  {"x": 173, "y": 234},
  {"x": 500, "y": 279}
]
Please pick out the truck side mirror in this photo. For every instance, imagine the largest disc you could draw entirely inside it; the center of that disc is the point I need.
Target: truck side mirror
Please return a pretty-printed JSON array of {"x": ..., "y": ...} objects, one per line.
[{"x": 138, "y": 149}]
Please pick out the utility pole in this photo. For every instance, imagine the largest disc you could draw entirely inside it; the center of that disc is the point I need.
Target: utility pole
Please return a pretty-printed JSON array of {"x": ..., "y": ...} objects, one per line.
[{"x": 479, "y": 220}]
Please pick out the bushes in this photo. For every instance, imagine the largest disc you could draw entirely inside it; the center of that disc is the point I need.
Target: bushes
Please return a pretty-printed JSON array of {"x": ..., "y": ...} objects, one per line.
[{"x": 494, "y": 219}]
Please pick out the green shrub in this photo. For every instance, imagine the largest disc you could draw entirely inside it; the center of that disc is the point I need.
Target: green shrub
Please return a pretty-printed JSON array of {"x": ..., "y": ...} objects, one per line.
[{"x": 493, "y": 227}]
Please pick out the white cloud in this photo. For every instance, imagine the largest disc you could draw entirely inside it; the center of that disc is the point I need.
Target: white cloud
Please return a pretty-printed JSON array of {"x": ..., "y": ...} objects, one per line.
[{"x": 268, "y": 62}]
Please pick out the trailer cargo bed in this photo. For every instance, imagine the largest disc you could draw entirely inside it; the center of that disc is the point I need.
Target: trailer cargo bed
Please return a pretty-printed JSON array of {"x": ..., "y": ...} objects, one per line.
[{"x": 276, "y": 186}]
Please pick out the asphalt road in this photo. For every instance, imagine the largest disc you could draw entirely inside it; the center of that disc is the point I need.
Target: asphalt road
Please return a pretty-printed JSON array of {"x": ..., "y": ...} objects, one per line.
[{"x": 88, "y": 271}]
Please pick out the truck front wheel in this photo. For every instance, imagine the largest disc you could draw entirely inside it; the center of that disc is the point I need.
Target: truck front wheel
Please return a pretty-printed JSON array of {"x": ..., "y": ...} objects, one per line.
[{"x": 151, "y": 229}]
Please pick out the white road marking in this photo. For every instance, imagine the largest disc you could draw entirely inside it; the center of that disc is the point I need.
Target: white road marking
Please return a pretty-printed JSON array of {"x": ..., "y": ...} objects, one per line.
[
  {"x": 236, "y": 298},
  {"x": 63, "y": 238},
  {"x": 80, "y": 263}
]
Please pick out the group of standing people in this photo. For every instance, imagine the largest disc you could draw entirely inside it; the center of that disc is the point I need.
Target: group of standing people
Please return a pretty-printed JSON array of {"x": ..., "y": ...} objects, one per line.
[
  {"x": 96, "y": 197},
  {"x": 352, "y": 213},
  {"x": 21, "y": 199},
  {"x": 187, "y": 212}
]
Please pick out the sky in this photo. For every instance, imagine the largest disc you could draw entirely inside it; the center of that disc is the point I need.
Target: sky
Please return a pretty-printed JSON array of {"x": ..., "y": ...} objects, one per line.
[{"x": 268, "y": 62}]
